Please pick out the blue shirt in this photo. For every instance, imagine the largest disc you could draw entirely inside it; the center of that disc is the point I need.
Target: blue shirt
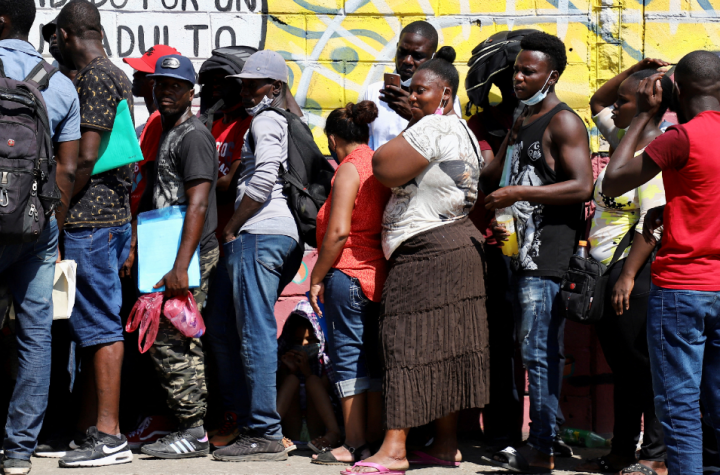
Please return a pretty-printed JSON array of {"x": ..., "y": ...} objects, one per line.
[{"x": 63, "y": 106}]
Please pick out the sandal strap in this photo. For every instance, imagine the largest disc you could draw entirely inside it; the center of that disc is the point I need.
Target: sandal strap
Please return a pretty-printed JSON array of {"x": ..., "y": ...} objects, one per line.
[
  {"x": 352, "y": 450},
  {"x": 603, "y": 464},
  {"x": 638, "y": 467}
]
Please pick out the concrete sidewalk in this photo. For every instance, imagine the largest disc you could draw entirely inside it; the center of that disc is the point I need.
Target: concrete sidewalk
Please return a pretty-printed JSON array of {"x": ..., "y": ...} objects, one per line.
[{"x": 297, "y": 464}]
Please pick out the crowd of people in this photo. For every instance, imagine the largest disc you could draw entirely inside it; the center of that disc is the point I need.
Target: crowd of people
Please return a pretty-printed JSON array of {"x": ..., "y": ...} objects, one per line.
[{"x": 419, "y": 297}]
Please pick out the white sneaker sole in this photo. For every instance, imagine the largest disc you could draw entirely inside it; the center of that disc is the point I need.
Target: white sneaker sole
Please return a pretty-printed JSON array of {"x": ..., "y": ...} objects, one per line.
[
  {"x": 16, "y": 471},
  {"x": 114, "y": 459},
  {"x": 51, "y": 455}
]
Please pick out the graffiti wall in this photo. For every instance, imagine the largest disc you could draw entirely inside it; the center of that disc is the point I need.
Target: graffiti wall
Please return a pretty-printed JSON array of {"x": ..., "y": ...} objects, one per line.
[{"x": 335, "y": 48}]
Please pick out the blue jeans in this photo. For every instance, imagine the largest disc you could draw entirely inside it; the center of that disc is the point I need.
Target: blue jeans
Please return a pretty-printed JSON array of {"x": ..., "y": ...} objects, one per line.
[
  {"x": 541, "y": 334},
  {"x": 29, "y": 271},
  {"x": 260, "y": 266},
  {"x": 348, "y": 312},
  {"x": 99, "y": 253},
  {"x": 684, "y": 342},
  {"x": 224, "y": 342}
]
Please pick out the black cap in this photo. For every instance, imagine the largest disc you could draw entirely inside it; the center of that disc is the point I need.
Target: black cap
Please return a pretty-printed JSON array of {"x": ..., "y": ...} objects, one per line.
[{"x": 49, "y": 29}]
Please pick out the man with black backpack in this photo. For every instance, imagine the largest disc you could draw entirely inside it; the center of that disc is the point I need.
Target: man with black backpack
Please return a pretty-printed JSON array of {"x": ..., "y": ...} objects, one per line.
[
  {"x": 28, "y": 242},
  {"x": 263, "y": 247}
]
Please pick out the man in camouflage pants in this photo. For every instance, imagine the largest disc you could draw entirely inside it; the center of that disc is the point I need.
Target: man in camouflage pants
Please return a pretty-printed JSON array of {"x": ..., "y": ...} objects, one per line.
[{"x": 185, "y": 173}]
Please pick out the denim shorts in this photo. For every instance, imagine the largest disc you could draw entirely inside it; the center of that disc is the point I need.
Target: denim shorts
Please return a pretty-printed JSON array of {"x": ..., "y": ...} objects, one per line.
[
  {"x": 99, "y": 253},
  {"x": 352, "y": 335}
]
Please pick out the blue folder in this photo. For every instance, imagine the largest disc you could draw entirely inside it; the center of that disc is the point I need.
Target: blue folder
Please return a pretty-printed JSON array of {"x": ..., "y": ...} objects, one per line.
[{"x": 159, "y": 233}]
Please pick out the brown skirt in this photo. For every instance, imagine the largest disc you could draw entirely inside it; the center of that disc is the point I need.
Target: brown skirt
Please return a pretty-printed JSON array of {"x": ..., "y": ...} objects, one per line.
[{"x": 433, "y": 327}]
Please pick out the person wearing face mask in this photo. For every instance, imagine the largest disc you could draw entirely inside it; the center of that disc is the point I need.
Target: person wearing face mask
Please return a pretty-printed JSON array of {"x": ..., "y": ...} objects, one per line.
[
  {"x": 617, "y": 228},
  {"x": 433, "y": 325},
  {"x": 547, "y": 178},
  {"x": 348, "y": 279},
  {"x": 417, "y": 43},
  {"x": 263, "y": 251}
]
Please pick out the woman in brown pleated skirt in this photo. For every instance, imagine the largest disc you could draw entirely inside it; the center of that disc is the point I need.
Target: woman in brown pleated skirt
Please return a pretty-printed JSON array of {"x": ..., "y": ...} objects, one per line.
[{"x": 433, "y": 325}]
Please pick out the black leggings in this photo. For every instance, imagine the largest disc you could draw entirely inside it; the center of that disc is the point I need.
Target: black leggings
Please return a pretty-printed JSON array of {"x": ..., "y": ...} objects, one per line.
[{"x": 624, "y": 342}]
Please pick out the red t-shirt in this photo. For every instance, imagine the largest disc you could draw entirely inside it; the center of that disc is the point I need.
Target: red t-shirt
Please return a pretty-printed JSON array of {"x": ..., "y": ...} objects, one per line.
[
  {"x": 362, "y": 257},
  {"x": 149, "y": 142},
  {"x": 689, "y": 156},
  {"x": 229, "y": 139}
]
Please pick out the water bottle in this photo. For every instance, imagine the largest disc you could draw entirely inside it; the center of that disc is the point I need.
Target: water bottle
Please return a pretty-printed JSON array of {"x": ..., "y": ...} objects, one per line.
[
  {"x": 584, "y": 438},
  {"x": 582, "y": 250}
]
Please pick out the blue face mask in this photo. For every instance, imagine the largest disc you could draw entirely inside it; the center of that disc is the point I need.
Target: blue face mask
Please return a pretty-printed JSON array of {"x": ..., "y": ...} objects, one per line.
[{"x": 540, "y": 95}]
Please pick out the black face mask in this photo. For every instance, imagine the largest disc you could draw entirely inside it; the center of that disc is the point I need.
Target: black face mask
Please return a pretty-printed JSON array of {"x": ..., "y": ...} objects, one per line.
[{"x": 55, "y": 52}]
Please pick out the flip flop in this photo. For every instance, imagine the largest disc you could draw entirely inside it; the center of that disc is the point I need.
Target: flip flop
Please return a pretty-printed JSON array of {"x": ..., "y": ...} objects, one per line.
[
  {"x": 380, "y": 469},
  {"x": 421, "y": 458},
  {"x": 514, "y": 462}
]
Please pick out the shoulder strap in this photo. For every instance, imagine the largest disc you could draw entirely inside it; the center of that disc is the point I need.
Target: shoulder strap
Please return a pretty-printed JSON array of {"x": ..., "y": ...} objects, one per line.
[
  {"x": 624, "y": 244},
  {"x": 472, "y": 143},
  {"x": 208, "y": 118},
  {"x": 2, "y": 70},
  {"x": 41, "y": 74}
]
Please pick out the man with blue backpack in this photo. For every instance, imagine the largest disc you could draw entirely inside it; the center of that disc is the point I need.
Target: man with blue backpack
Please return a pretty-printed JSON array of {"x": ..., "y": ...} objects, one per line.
[{"x": 38, "y": 154}]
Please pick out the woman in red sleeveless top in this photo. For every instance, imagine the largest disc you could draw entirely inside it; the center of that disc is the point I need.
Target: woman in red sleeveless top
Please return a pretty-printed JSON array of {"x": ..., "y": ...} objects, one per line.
[{"x": 348, "y": 279}]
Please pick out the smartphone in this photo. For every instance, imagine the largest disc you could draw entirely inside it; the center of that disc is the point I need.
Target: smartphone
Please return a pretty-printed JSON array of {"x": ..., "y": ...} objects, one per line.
[{"x": 392, "y": 79}]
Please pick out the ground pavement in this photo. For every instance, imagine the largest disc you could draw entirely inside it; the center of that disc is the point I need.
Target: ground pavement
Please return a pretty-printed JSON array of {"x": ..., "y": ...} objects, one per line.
[{"x": 297, "y": 464}]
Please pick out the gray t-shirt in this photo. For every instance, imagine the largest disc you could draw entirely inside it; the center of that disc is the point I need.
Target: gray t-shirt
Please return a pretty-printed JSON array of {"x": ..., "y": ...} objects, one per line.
[
  {"x": 187, "y": 152},
  {"x": 264, "y": 150}
]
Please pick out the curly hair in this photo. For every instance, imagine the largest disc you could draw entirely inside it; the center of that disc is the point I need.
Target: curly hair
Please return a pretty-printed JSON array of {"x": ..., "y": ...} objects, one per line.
[
  {"x": 550, "y": 45},
  {"x": 21, "y": 13}
]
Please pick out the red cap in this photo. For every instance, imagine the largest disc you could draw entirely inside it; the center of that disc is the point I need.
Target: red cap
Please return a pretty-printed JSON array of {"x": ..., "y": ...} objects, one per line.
[{"x": 146, "y": 62}]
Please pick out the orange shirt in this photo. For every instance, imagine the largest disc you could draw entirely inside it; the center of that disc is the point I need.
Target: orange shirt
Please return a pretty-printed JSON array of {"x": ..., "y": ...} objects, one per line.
[{"x": 362, "y": 257}]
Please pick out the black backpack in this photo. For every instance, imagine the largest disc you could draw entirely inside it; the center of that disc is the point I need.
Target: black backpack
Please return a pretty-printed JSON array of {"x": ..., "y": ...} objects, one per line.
[
  {"x": 28, "y": 192},
  {"x": 308, "y": 178}
]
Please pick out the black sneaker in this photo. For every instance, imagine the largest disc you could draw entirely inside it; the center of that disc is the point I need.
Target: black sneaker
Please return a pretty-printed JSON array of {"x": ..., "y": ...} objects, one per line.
[
  {"x": 561, "y": 449},
  {"x": 178, "y": 445},
  {"x": 99, "y": 449},
  {"x": 16, "y": 466},
  {"x": 59, "y": 446},
  {"x": 252, "y": 448}
]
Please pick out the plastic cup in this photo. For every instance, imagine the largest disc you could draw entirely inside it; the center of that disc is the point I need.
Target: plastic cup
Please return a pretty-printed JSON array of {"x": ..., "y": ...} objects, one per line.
[{"x": 505, "y": 219}]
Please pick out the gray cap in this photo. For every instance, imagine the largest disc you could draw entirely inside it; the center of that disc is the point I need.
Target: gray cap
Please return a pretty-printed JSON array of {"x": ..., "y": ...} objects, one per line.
[{"x": 264, "y": 64}]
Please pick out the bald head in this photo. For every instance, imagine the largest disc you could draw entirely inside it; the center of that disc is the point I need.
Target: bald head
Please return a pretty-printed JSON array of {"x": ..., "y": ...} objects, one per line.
[
  {"x": 82, "y": 19},
  {"x": 700, "y": 70}
]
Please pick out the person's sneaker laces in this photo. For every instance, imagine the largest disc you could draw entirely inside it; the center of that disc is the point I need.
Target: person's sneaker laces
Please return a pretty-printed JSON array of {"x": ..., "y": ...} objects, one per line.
[
  {"x": 178, "y": 445},
  {"x": 16, "y": 466},
  {"x": 252, "y": 448},
  {"x": 59, "y": 445},
  {"x": 228, "y": 432},
  {"x": 99, "y": 449},
  {"x": 150, "y": 430}
]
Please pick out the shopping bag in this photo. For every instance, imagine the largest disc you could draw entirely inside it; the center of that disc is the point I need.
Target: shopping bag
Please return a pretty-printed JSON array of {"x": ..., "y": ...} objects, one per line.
[
  {"x": 145, "y": 314},
  {"x": 63, "y": 294},
  {"x": 185, "y": 316},
  {"x": 120, "y": 146},
  {"x": 159, "y": 233}
]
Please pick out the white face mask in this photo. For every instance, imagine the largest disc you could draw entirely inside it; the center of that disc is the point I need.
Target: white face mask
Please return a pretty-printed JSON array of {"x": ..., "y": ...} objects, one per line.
[
  {"x": 264, "y": 104},
  {"x": 540, "y": 95}
]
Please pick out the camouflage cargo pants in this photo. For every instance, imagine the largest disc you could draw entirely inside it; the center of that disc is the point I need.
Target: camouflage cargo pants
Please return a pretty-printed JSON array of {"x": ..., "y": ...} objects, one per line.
[{"x": 180, "y": 361}]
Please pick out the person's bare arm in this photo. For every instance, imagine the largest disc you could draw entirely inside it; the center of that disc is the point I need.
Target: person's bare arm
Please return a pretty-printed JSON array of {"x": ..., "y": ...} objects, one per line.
[
  {"x": 345, "y": 190},
  {"x": 625, "y": 171},
  {"x": 397, "y": 162},
  {"x": 66, "y": 155},
  {"x": 176, "y": 281},
  {"x": 569, "y": 135},
  {"x": 607, "y": 94},
  {"x": 223, "y": 184},
  {"x": 87, "y": 157},
  {"x": 639, "y": 253}
]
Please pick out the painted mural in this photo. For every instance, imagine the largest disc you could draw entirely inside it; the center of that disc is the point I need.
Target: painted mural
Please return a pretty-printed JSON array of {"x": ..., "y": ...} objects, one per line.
[{"x": 335, "y": 48}]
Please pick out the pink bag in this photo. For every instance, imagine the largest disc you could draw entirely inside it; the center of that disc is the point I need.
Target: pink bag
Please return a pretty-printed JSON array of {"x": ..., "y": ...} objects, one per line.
[
  {"x": 146, "y": 315},
  {"x": 184, "y": 314}
]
